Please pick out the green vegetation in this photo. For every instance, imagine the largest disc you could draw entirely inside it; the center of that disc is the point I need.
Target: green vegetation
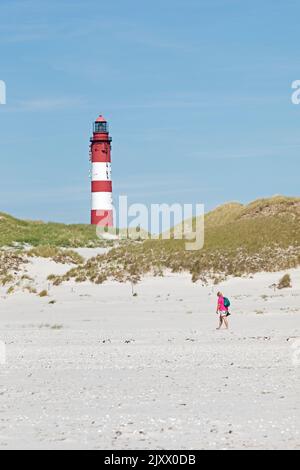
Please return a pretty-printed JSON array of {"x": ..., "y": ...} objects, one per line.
[
  {"x": 10, "y": 263},
  {"x": 6, "y": 279},
  {"x": 50, "y": 327},
  {"x": 43, "y": 293},
  {"x": 30, "y": 289},
  {"x": 58, "y": 255},
  {"x": 56, "y": 327},
  {"x": 14, "y": 231},
  {"x": 263, "y": 236},
  {"x": 285, "y": 282}
]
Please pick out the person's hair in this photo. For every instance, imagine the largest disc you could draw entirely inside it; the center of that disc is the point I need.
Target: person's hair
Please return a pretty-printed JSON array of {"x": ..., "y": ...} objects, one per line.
[{"x": 219, "y": 294}]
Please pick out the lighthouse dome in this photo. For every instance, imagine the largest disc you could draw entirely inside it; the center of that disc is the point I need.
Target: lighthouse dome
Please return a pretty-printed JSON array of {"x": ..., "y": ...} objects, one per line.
[{"x": 101, "y": 119}]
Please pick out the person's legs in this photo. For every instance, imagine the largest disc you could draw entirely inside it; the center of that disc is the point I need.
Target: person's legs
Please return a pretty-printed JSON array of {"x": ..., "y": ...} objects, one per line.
[
  {"x": 221, "y": 322},
  {"x": 225, "y": 320}
]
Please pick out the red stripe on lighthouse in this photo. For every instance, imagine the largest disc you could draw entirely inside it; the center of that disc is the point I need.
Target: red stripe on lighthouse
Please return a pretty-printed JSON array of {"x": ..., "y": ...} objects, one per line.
[
  {"x": 101, "y": 152},
  {"x": 102, "y": 218},
  {"x": 101, "y": 186}
]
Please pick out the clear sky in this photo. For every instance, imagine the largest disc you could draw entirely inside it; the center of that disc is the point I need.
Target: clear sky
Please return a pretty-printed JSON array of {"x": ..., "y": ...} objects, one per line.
[{"x": 197, "y": 93}]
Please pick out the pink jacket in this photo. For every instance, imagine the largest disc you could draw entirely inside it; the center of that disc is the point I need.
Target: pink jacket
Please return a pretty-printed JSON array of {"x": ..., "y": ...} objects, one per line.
[{"x": 221, "y": 306}]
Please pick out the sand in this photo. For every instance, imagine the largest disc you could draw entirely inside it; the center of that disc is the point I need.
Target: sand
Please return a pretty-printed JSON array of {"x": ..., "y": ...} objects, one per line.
[{"x": 101, "y": 369}]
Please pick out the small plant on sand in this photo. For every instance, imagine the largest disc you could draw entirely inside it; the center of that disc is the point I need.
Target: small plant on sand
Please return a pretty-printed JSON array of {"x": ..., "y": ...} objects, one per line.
[
  {"x": 25, "y": 277},
  {"x": 57, "y": 327},
  {"x": 69, "y": 257},
  {"x": 6, "y": 279},
  {"x": 43, "y": 293},
  {"x": 50, "y": 327},
  {"x": 285, "y": 282},
  {"x": 30, "y": 289},
  {"x": 10, "y": 263},
  {"x": 100, "y": 279},
  {"x": 58, "y": 281}
]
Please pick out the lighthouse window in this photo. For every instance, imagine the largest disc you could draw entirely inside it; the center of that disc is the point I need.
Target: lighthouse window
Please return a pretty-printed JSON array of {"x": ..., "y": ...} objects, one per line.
[{"x": 100, "y": 127}]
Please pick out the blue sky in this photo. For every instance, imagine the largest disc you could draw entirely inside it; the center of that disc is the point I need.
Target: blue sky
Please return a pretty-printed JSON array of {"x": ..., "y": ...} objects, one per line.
[{"x": 197, "y": 93}]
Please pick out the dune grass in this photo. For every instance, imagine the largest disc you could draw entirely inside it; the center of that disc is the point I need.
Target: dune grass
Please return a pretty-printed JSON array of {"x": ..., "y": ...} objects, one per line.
[
  {"x": 285, "y": 282},
  {"x": 14, "y": 231},
  {"x": 10, "y": 263},
  {"x": 56, "y": 254},
  {"x": 263, "y": 236}
]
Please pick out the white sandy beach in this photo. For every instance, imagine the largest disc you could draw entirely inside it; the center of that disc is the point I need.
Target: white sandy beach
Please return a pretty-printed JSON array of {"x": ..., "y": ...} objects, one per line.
[{"x": 100, "y": 369}]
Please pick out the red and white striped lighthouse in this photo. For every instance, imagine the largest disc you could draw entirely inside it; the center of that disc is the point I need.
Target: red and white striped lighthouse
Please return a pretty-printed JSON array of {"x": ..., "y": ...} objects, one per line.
[{"x": 102, "y": 202}]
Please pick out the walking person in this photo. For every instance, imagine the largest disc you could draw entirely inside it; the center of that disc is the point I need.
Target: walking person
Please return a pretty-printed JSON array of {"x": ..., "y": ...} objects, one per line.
[{"x": 223, "y": 310}]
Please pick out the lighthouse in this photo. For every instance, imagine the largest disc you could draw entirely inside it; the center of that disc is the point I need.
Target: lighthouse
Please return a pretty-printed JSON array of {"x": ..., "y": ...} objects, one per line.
[{"x": 102, "y": 202}]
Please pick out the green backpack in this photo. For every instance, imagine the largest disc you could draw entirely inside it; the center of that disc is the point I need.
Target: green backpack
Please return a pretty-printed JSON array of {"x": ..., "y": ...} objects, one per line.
[{"x": 226, "y": 302}]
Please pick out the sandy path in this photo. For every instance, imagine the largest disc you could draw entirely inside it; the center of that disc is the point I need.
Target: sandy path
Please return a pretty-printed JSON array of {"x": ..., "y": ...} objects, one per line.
[{"x": 151, "y": 371}]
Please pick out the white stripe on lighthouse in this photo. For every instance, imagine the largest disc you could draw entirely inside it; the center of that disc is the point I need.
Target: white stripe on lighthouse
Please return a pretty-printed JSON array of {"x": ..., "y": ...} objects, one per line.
[
  {"x": 102, "y": 201},
  {"x": 101, "y": 171}
]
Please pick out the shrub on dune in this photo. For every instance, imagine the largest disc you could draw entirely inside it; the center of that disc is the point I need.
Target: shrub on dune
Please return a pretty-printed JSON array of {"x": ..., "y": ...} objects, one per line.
[
  {"x": 285, "y": 282},
  {"x": 43, "y": 293}
]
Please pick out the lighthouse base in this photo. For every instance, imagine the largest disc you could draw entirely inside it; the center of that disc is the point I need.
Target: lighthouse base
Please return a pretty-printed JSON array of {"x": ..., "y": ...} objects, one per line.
[{"x": 102, "y": 218}]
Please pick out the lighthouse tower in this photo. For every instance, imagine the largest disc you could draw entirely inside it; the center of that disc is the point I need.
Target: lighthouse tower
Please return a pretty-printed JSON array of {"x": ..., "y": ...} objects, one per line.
[{"x": 102, "y": 203}]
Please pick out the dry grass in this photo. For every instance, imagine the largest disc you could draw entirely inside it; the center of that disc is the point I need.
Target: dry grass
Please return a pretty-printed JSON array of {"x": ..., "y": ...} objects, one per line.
[
  {"x": 10, "y": 263},
  {"x": 56, "y": 254},
  {"x": 14, "y": 231},
  {"x": 263, "y": 236},
  {"x": 285, "y": 282},
  {"x": 50, "y": 327},
  {"x": 132, "y": 263},
  {"x": 239, "y": 240},
  {"x": 43, "y": 293}
]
